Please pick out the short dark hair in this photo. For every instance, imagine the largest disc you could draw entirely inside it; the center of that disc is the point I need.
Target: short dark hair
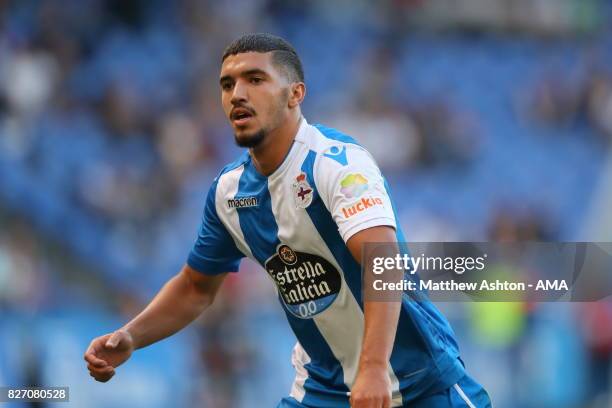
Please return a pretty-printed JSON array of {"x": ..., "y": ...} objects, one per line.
[{"x": 283, "y": 53}]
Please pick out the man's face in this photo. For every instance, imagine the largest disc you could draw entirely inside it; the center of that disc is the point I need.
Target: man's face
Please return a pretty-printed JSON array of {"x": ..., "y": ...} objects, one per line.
[{"x": 254, "y": 95}]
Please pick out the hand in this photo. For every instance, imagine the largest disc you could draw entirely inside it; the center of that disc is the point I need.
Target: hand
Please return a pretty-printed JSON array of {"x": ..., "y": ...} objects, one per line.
[
  {"x": 372, "y": 388},
  {"x": 105, "y": 353}
]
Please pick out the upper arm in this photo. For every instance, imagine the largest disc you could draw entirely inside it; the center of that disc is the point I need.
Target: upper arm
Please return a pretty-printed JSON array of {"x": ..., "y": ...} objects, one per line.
[
  {"x": 354, "y": 191},
  {"x": 364, "y": 255},
  {"x": 207, "y": 285},
  {"x": 214, "y": 251},
  {"x": 380, "y": 234}
]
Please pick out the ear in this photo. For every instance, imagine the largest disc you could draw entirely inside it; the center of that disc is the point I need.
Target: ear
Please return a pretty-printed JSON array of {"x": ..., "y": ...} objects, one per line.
[{"x": 297, "y": 91}]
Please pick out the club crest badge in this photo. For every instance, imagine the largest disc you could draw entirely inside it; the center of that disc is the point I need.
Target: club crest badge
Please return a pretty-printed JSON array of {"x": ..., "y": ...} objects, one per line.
[
  {"x": 287, "y": 255},
  {"x": 302, "y": 191}
]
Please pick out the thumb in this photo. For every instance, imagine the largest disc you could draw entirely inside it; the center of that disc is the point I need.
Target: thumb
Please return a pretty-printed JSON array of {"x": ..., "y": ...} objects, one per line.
[{"x": 114, "y": 340}]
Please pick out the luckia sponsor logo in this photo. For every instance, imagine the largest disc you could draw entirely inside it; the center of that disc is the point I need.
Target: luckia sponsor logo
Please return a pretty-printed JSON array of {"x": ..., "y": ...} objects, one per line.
[
  {"x": 353, "y": 185},
  {"x": 361, "y": 205}
]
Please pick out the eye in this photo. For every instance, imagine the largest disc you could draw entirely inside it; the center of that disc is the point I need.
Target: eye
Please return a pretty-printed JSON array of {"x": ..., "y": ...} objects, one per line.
[
  {"x": 256, "y": 80},
  {"x": 226, "y": 86}
]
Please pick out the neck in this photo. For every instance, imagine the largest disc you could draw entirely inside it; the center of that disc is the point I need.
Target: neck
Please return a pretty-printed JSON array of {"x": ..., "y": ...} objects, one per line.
[{"x": 271, "y": 153}]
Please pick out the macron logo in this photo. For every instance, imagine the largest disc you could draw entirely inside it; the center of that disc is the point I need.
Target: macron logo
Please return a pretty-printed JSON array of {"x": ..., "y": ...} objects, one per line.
[
  {"x": 362, "y": 205},
  {"x": 243, "y": 202}
]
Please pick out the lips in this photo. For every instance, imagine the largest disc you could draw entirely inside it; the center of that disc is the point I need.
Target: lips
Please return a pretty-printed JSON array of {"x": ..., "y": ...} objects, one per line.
[{"x": 240, "y": 116}]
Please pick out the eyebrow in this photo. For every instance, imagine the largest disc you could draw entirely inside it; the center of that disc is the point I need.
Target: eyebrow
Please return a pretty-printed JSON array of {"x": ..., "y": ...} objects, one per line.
[{"x": 244, "y": 73}]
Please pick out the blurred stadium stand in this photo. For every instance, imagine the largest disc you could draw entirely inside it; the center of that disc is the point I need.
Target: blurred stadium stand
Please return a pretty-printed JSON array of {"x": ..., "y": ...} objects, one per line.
[{"x": 491, "y": 121}]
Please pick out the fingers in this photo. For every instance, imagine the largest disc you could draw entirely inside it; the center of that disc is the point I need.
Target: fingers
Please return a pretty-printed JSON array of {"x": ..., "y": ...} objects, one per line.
[
  {"x": 91, "y": 355},
  {"x": 91, "y": 359},
  {"x": 107, "y": 352},
  {"x": 98, "y": 370},
  {"x": 370, "y": 402},
  {"x": 102, "y": 377},
  {"x": 101, "y": 374}
]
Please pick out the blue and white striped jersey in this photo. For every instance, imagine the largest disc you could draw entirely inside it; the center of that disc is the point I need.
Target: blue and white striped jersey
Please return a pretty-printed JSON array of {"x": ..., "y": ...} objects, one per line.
[{"x": 295, "y": 224}]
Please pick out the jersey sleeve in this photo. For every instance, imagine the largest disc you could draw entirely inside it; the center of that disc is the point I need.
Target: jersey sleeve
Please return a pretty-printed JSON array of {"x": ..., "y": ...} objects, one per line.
[
  {"x": 353, "y": 190},
  {"x": 214, "y": 250}
]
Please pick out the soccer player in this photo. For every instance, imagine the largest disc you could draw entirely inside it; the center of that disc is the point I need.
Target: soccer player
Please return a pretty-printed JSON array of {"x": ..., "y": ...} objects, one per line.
[{"x": 302, "y": 201}]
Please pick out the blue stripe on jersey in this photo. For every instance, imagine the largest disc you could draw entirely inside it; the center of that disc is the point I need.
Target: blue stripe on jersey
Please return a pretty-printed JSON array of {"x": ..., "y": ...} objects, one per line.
[
  {"x": 257, "y": 223},
  {"x": 260, "y": 232},
  {"x": 400, "y": 361},
  {"x": 434, "y": 344},
  {"x": 215, "y": 251},
  {"x": 328, "y": 230},
  {"x": 335, "y": 135},
  {"x": 416, "y": 344},
  {"x": 399, "y": 234},
  {"x": 323, "y": 368}
]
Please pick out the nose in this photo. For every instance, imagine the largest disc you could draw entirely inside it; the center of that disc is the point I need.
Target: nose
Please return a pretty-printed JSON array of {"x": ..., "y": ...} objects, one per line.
[{"x": 239, "y": 94}]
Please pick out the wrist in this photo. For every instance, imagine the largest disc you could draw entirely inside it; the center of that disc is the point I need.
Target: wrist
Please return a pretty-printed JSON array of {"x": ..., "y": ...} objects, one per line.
[
  {"x": 372, "y": 364},
  {"x": 131, "y": 337}
]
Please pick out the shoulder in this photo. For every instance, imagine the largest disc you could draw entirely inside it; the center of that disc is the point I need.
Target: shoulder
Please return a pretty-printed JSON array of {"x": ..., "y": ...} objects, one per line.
[
  {"x": 242, "y": 159},
  {"x": 333, "y": 148},
  {"x": 321, "y": 138},
  {"x": 336, "y": 151},
  {"x": 334, "y": 135},
  {"x": 225, "y": 173}
]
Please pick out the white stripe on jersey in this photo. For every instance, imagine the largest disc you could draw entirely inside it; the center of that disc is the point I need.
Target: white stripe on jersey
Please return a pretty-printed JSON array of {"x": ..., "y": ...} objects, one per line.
[
  {"x": 342, "y": 324},
  {"x": 322, "y": 140},
  {"x": 227, "y": 186},
  {"x": 299, "y": 358}
]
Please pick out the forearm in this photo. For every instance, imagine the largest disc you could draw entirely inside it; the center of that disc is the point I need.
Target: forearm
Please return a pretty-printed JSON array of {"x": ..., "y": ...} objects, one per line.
[
  {"x": 380, "y": 317},
  {"x": 379, "y": 333},
  {"x": 176, "y": 305}
]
